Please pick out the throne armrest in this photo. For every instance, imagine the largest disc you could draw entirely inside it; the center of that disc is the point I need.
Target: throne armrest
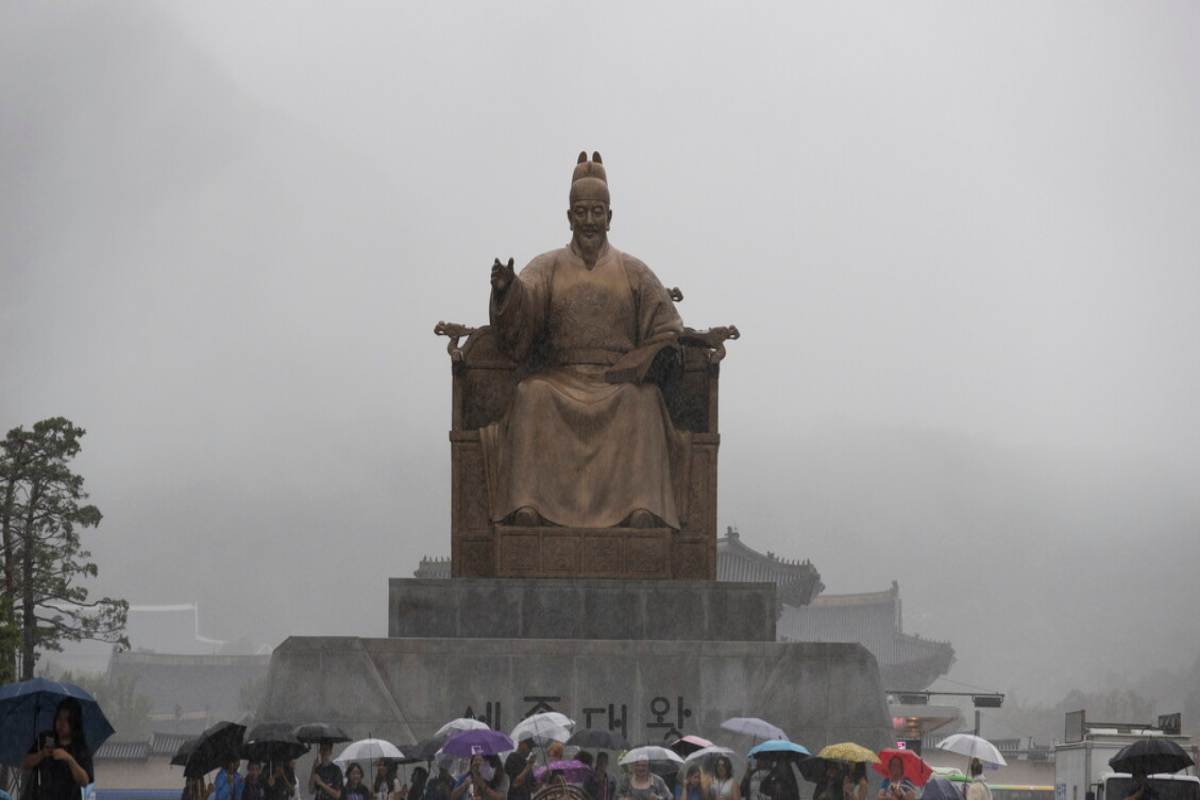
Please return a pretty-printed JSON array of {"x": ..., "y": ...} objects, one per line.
[
  {"x": 713, "y": 340},
  {"x": 484, "y": 377}
]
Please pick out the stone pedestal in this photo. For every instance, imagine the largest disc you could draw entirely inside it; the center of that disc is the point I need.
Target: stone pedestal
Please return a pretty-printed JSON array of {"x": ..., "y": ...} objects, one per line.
[
  {"x": 652, "y": 659},
  {"x": 403, "y": 689},
  {"x": 498, "y": 608}
]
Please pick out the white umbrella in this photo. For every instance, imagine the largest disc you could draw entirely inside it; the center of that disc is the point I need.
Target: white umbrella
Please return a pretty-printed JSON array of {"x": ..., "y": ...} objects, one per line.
[
  {"x": 555, "y": 717},
  {"x": 754, "y": 727},
  {"x": 461, "y": 724},
  {"x": 368, "y": 750},
  {"x": 548, "y": 726},
  {"x": 541, "y": 732},
  {"x": 651, "y": 753},
  {"x": 973, "y": 747},
  {"x": 707, "y": 753}
]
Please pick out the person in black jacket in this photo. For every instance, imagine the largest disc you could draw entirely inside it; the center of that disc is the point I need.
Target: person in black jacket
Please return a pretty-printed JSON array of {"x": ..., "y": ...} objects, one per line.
[{"x": 60, "y": 760}]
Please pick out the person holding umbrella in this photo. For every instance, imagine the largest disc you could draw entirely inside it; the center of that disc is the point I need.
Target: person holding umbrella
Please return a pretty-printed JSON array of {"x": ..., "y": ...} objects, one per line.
[
  {"x": 281, "y": 783},
  {"x": 976, "y": 789},
  {"x": 600, "y": 785},
  {"x": 325, "y": 782},
  {"x": 832, "y": 782},
  {"x": 896, "y": 786},
  {"x": 642, "y": 784},
  {"x": 196, "y": 789},
  {"x": 519, "y": 768},
  {"x": 416, "y": 788},
  {"x": 484, "y": 780},
  {"x": 60, "y": 758},
  {"x": 752, "y": 786},
  {"x": 854, "y": 785},
  {"x": 1142, "y": 788},
  {"x": 229, "y": 784},
  {"x": 439, "y": 786},
  {"x": 254, "y": 787}
]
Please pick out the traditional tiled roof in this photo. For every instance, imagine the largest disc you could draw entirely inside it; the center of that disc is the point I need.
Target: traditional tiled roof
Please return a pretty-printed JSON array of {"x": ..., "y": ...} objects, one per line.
[
  {"x": 438, "y": 567},
  {"x": 166, "y": 744},
  {"x": 798, "y": 582},
  {"x": 873, "y": 619},
  {"x": 122, "y": 751}
]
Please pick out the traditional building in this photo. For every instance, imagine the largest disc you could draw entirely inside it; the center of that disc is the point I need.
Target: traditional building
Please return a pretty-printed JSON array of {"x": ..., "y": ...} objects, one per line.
[
  {"x": 907, "y": 662},
  {"x": 141, "y": 765},
  {"x": 797, "y": 582}
]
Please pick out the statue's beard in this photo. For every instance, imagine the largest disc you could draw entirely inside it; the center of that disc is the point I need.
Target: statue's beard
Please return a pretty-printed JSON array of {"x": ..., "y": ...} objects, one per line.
[{"x": 590, "y": 238}]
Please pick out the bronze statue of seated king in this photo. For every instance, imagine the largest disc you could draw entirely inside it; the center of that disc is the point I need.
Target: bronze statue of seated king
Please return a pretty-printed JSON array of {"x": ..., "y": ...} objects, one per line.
[{"x": 584, "y": 434}]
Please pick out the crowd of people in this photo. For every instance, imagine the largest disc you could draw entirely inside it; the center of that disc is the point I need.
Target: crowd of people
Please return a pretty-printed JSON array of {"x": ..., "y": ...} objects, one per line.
[
  {"x": 524, "y": 772},
  {"x": 59, "y": 763}
]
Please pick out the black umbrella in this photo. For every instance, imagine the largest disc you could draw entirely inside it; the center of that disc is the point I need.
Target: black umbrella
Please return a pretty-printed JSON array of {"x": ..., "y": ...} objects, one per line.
[
  {"x": 211, "y": 749},
  {"x": 812, "y": 769},
  {"x": 272, "y": 742},
  {"x": 1151, "y": 756},
  {"x": 426, "y": 750},
  {"x": 184, "y": 752},
  {"x": 686, "y": 745},
  {"x": 598, "y": 740},
  {"x": 321, "y": 733}
]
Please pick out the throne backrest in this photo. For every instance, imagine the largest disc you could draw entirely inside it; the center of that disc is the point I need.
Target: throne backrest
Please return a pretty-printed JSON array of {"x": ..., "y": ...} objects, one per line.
[{"x": 485, "y": 378}]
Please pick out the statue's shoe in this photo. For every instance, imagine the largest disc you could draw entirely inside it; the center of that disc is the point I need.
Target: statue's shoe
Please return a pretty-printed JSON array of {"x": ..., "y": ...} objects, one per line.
[
  {"x": 642, "y": 519},
  {"x": 527, "y": 517}
]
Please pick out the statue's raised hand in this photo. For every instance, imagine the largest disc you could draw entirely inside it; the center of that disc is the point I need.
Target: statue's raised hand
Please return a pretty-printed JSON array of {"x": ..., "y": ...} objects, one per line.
[{"x": 502, "y": 276}]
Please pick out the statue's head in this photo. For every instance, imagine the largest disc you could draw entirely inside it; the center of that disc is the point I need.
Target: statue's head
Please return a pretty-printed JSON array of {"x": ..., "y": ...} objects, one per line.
[{"x": 589, "y": 212}]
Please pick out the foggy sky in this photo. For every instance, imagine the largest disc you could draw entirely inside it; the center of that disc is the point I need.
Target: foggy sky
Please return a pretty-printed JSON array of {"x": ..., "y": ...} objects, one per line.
[{"x": 959, "y": 239}]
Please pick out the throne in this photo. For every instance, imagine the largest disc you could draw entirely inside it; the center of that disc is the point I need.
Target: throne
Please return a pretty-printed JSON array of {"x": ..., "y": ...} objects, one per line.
[{"x": 484, "y": 379}]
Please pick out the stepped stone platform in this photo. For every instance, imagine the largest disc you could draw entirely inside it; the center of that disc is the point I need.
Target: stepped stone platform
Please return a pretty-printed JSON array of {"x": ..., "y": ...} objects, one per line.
[{"x": 492, "y": 608}]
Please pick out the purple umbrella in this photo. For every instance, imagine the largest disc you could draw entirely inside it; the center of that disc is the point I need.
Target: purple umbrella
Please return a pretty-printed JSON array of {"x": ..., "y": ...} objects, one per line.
[
  {"x": 572, "y": 771},
  {"x": 465, "y": 744}
]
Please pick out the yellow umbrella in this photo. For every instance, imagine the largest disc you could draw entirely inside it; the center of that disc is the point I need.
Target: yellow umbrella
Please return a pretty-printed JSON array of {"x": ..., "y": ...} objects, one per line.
[{"x": 849, "y": 751}]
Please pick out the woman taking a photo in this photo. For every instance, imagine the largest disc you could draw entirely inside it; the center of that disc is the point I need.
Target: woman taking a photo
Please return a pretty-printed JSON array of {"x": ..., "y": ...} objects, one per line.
[{"x": 60, "y": 761}]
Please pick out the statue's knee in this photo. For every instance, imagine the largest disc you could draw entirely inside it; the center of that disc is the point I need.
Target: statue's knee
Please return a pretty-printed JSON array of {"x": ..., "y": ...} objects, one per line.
[{"x": 531, "y": 390}]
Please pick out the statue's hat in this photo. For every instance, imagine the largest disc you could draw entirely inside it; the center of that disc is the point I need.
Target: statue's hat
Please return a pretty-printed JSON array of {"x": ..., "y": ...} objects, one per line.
[{"x": 589, "y": 178}]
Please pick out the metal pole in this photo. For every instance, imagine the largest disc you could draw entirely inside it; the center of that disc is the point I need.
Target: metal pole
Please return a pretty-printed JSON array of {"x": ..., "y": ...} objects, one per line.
[{"x": 977, "y": 722}]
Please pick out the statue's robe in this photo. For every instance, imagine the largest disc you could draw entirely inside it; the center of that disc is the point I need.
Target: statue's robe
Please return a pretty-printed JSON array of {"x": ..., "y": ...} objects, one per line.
[{"x": 581, "y": 450}]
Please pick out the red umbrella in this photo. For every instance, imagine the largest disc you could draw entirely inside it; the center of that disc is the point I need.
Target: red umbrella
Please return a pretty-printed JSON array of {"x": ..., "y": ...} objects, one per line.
[{"x": 915, "y": 768}]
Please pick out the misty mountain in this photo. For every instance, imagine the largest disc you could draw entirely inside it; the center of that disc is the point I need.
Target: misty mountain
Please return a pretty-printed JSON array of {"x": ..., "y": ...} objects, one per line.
[{"x": 967, "y": 295}]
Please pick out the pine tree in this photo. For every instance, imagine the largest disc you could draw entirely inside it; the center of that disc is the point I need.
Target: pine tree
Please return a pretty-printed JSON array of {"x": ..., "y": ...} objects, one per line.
[{"x": 44, "y": 602}]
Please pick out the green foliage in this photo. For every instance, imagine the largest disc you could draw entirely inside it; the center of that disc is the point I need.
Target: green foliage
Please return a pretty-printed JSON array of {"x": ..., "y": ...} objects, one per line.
[{"x": 43, "y": 601}]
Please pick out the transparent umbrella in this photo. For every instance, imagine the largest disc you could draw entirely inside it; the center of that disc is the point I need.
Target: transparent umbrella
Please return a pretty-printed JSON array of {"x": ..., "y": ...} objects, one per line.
[
  {"x": 461, "y": 724},
  {"x": 753, "y": 727},
  {"x": 652, "y": 754}
]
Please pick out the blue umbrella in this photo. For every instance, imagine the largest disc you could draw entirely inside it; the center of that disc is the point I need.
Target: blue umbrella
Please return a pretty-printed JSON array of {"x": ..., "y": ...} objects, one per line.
[
  {"x": 779, "y": 746},
  {"x": 938, "y": 788},
  {"x": 27, "y": 708}
]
